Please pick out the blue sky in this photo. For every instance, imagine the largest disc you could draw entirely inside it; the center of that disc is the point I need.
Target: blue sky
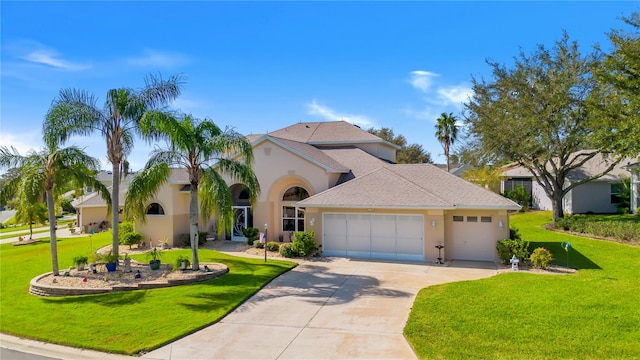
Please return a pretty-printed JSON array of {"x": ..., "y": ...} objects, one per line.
[{"x": 261, "y": 66}]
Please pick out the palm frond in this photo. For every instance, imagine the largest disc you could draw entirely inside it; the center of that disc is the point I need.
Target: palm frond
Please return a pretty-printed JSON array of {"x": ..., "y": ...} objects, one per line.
[
  {"x": 158, "y": 92},
  {"x": 241, "y": 173},
  {"x": 215, "y": 198},
  {"x": 142, "y": 187},
  {"x": 73, "y": 112}
]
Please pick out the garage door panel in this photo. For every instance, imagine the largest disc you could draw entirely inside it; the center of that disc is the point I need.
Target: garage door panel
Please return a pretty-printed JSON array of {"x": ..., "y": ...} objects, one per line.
[
  {"x": 374, "y": 236},
  {"x": 335, "y": 235},
  {"x": 359, "y": 235},
  {"x": 383, "y": 236},
  {"x": 471, "y": 241}
]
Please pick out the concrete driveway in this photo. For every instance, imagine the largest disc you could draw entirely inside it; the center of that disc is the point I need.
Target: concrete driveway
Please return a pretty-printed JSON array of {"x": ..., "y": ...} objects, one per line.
[{"x": 328, "y": 309}]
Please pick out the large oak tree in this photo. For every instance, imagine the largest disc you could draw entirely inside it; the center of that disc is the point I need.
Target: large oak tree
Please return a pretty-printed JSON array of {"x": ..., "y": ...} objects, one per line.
[{"x": 536, "y": 113}]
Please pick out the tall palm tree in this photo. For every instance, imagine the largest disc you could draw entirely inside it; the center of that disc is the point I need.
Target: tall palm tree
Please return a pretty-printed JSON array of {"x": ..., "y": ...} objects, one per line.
[
  {"x": 46, "y": 172},
  {"x": 446, "y": 132},
  {"x": 207, "y": 153},
  {"x": 74, "y": 112}
]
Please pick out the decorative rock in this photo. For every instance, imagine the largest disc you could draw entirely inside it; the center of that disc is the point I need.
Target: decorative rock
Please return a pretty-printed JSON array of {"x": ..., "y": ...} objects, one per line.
[
  {"x": 137, "y": 275},
  {"x": 84, "y": 279}
]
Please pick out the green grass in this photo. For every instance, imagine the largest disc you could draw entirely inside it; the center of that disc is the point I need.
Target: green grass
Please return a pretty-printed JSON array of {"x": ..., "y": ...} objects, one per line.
[
  {"x": 35, "y": 226},
  {"x": 124, "y": 322},
  {"x": 589, "y": 315}
]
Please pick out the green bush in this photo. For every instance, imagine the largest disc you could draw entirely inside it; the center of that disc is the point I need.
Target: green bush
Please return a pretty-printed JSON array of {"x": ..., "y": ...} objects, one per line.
[
  {"x": 541, "y": 258},
  {"x": 520, "y": 196},
  {"x": 273, "y": 246},
  {"x": 178, "y": 262},
  {"x": 509, "y": 247},
  {"x": 202, "y": 237},
  {"x": 258, "y": 245},
  {"x": 627, "y": 231},
  {"x": 286, "y": 250},
  {"x": 130, "y": 238},
  {"x": 124, "y": 228},
  {"x": 251, "y": 234},
  {"x": 304, "y": 243}
]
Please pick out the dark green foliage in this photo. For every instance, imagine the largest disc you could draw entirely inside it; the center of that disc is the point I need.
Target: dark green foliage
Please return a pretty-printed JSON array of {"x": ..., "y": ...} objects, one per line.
[
  {"x": 286, "y": 250},
  {"x": 304, "y": 243},
  {"x": 258, "y": 244},
  {"x": 626, "y": 231},
  {"x": 66, "y": 206},
  {"x": 202, "y": 237},
  {"x": 130, "y": 238},
  {"x": 251, "y": 234},
  {"x": 509, "y": 247},
  {"x": 179, "y": 260},
  {"x": 520, "y": 196},
  {"x": 273, "y": 246},
  {"x": 541, "y": 258},
  {"x": 123, "y": 228}
]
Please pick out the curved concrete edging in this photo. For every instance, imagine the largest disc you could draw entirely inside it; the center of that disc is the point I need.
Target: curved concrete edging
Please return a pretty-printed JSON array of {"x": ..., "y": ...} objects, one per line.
[{"x": 36, "y": 288}]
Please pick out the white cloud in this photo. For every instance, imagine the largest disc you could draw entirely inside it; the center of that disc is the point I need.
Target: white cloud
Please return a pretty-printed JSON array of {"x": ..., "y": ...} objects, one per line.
[
  {"x": 329, "y": 114},
  {"x": 455, "y": 95},
  {"x": 158, "y": 59},
  {"x": 52, "y": 58},
  {"x": 23, "y": 142},
  {"x": 422, "y": 80}
]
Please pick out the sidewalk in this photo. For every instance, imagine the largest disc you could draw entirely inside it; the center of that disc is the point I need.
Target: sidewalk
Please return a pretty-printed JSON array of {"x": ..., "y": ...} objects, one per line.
[
  {"x": 54, "y": 351},
  {"x": 60, "y": 233}
]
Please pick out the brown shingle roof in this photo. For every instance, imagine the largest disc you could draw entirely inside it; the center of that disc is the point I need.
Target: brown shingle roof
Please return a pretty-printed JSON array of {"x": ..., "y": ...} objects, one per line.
[
  {"x": 326, "y": 132},
  {"x": 309, "y": 152},
  {"x": 357, "y": 160},
  {"x": 409, "y": 186}
]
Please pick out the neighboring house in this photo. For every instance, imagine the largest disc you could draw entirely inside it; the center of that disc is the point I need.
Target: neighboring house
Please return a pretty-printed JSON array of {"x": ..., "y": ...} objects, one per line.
[
  {"x": 341, "y": 182},
  {"x": 635, "y": 186},
  {"x": 597, "y": 196}
]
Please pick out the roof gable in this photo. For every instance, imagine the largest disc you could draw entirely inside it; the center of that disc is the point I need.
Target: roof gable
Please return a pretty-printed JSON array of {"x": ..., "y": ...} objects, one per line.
[
  {"x": 409, "y": 186},
  {"x": 327, "y": 132}
]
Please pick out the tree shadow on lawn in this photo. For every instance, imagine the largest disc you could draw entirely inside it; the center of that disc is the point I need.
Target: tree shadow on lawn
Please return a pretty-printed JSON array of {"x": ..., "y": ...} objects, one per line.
[
  {"x": 107, "y": 299},
  {"x": 576, "y": 259}
]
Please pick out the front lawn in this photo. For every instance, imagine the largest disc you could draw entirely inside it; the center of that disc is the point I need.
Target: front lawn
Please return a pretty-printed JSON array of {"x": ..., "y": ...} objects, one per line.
[
  {"x": 123, "y": 322},
  {"x": 589, "y": 315}
]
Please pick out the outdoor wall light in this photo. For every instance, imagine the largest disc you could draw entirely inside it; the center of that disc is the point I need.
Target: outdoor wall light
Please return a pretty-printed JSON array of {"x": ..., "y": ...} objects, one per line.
[
  {"x": 313, "y": 221},
  {"x": 500, "y": 224},
  {"x": 433, "y": 223}
]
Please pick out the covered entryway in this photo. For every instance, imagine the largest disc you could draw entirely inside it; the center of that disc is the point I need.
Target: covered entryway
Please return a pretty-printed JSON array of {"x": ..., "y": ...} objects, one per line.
[
  {"x": 242, "y": 216},
  {"x": 375, "y": 236}
]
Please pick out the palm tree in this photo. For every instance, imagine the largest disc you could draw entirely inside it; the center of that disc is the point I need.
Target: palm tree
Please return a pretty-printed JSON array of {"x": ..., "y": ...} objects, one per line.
[
  {"x": 446, "y": 132},
  {"x": 30, "y": 211},
  {"x": 46, "y": 172},
  {"x": 75, "y": 112},
  {"x": 207, "y": 154}
]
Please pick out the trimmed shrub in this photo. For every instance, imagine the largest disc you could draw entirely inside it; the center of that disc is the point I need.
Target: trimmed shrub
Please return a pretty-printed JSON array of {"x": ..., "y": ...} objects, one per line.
[
  {"x": 304, "y": 243},
  {"x": 202, "y": 237},
  {"x": 258, "y": 245},
  {"x": 273, "y": 246},
  {"x": 541, "y": 258},
  {"x": 124, "y": 228},
  {"x": 509, "y": 247},
  {"x": 286, "y": 250},
  {"x": 251, "y": 234},
  {"x": 130, "y": 238},
  {"x": 184, "y": 240}
]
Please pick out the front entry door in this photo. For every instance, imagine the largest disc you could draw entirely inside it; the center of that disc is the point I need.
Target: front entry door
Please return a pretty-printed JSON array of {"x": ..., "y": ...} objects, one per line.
[{"x": 241, "y": 220}]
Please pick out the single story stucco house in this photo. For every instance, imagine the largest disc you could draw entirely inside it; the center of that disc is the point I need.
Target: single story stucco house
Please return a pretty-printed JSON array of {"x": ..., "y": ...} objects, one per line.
[
  {"x": 342, "y": 182},
  {"x": 598, "y": 196}
]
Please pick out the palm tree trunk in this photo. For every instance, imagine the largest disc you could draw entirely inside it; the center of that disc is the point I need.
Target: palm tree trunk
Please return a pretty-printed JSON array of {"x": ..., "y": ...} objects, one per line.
[
  {"x": 52, "y": 232},
  {"x": 115, "y": 206},
  {"x": 193, "y": 225},
  {"x": 30, "y": 228}
]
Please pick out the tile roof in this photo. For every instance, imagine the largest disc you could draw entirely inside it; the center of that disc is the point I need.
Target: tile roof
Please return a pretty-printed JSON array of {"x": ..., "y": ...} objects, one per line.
[
  {"x": 326, "y": 132},
  {"x": 416, "y": 186}
]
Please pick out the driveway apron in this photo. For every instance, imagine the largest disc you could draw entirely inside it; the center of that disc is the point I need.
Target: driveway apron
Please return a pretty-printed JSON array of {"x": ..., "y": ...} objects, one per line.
[{"x": 333, "y": 308}]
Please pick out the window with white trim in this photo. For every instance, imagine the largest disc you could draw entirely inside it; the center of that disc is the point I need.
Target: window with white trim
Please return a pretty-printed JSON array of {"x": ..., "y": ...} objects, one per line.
[
  {"x": 154, "y": 209},
  {"x": 293, "y": 216}
]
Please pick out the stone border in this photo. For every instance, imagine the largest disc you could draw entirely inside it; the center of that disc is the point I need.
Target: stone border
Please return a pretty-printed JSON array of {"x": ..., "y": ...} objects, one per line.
[{"x": 36, "y": 288}]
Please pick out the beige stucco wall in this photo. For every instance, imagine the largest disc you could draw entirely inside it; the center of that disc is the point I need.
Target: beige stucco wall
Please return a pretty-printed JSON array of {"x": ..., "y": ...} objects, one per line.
[
  {"x": 175, "y": 220},
  {"x": 379, "y": 150},
  {"x": 92, "y": 215}
]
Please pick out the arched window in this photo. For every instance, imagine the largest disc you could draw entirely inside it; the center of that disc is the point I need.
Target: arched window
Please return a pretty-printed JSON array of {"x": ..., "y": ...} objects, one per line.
[
  {"x": 295, "y": 193},
  {"x": 155, "y": 209},
  {"x": 293, "y": 216}
]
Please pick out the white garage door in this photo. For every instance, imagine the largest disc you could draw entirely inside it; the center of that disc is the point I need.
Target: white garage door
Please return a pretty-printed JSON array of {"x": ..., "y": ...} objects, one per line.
[
  {"x": 373, "y": 236},
  {"x": 471, "y": 241}
]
